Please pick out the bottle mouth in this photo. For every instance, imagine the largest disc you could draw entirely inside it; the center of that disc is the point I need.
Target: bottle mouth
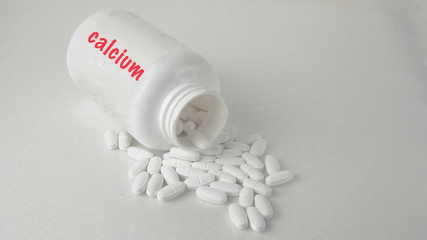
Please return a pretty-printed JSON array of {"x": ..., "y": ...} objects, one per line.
[{"x": 197, "y": 104}]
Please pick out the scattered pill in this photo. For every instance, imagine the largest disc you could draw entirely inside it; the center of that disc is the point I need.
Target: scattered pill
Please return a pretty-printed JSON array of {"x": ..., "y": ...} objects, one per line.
[
  {"x": 252, "y": 172},
  {"x": 173, "y": 162},
  {"x": 235, "y": 161},
  {"x": 258, "y": 147},
  {"x": 124, "y": 141},
  {"x": 211, "y": 195},
  {"x": 154, "y": 165},
  {"x": 246, "y": 197},
  {"x": 233, "y": 152},
  {"x": 237, "y": 145},
  {"x": 271, "y": 164},
  {"x": 223, "y": 177},
  {"x": 258, "y": 187},
  {"x": 110, "y": 138},
  {"x": 199, "y": 139},
  {"x": 140, "y": 183},
  {"x": 212, "y": 151},
  {"x": 169, "y": 174},
  {"x": 188, "y": 171},
  {"x": 137, "y": 167},
  {"x": 253, "y": 161},
  {"x": 209, "y": 166},
  {"x": 238, "y": 216},
  {"x": 232, "y": 189},
  {"x": 183, "y": 154},
  {"x": 234, "y": 171},
  {"x": 248, "y": 139},
  {"x": 256, "y": 220},
  {"x": 199, "y": 180},
  {"x": 279, "y": 178},
  {"x": 170, "y": 191},
  {"x": 222, "y": 137},
  {"x": 264, "y": 206},
  {"x": 154, "y": 184},
  {"x": 207, "y": 159},
  {"x": 138, "y": 153}
]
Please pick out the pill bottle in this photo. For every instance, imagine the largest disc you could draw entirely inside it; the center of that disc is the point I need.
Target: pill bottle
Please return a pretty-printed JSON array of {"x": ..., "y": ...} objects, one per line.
[{"x": 146, "y": 80}]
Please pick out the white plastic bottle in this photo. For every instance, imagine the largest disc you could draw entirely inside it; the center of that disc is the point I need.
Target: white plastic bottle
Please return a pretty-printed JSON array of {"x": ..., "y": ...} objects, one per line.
[{"x": 144, "y": 79}]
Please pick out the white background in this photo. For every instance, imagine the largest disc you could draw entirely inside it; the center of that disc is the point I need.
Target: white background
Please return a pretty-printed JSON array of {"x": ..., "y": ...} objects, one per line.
[{"x": 338, "y": 88}]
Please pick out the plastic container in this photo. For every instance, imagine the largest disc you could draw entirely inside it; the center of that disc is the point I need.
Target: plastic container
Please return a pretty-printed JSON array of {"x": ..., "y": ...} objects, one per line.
[{"x": 144, "y": 79}]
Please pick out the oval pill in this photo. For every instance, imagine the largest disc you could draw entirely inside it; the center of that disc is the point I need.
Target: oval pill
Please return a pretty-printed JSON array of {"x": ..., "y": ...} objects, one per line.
[
  {"x": 137, "y": 167},
  {"x": 258, "y": 187},
  {"x": 237, "y": 145},
  {"x": 124, "y": 141},
  {"x": 271, "y": 164},
  {"x": 256, "y": 220},
  {"x": 183, "y": 154},
  {"x": 140, "y": 183},
  {"x": 230, "y": 161},
  {"x": 154, "y": 165},
  {"x": 154, "y": 184},
  {"x": 223, "y": 177},
  {"x": 238, "y": 216},
  {"x": 187, "y": 171},
  {"x": 258, "y": 147},
  {"x": 211, "y": 195},
  {"x": 252, "y": 172},
  {"x": 264, "y": 206},
  {"x": 246, "y": 196},
  {"x": 233, "y": 152},
  {"x": 171, "y": 191},
  {"x": 212, "y": 151},
  {"x": 248, "y": 139},
  {"x": 110, "y": 138},
  {"x": 222, "y": 137},
  {"x": 138, "y": 153},
  {"x": 234, "y": 171},
  {"x": 189, "y": 126},
  {"x": 207, "y": 159},
  {"x": 173, "y": 162},
  {"x": 210, "y": 166},
  {"x": 169, "y": 174},
  {"x": 253, "y": 160},
  {"x": 199, "y": 180},
  {"x": 199, "y": 139},
  {"x": 279, "y": 178},
  {"x": 231, "y": 189}
]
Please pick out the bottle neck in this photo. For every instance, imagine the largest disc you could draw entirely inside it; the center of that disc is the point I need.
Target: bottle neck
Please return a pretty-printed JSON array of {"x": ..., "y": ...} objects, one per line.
[{"x": 203, "y": 99}]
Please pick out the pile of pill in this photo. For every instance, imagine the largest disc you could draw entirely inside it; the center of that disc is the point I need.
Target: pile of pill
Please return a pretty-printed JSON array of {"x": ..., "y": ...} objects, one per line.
[{"x": 231, "y": 167}]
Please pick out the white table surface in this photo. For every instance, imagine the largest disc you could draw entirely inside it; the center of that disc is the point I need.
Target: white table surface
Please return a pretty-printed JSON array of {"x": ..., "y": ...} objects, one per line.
[{"x": 338, "y": 88}]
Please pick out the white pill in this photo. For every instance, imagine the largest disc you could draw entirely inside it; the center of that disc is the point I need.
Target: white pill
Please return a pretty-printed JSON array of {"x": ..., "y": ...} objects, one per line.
[
  {"x": 271, "y": 164},
  {"x": 206, "y": 166},
  {"x": 246, "y": 196},
  {"x": 184, "y": 154},
  {"x": 234, "y": 171},
  {"x": 188, "y": 112},
  {"x": 179, "y": 127},
  {"x": 199, "y": 117},
  {"x": 248, "y": 139},
  {"x": 169, "y": 174},
  {"x": 212, "y": 151},
  {"x": 223, "y": 177},
  {"x": 187, "y": 171},
  {"x": 238, "y": 216},
  {"x": 232, "y": 189},
  {"x": 235, "y": 161},
  {"x": 222, "y": 137},
  {"x": 264, "y": 206},
  {"x": 173, "y": 162},
  {"x": 124, "y": 140},
  {"x": 279, "y": 178},
  {"x": 167, "y": 155},
  {"x": 138, "y": 153},
  {"x": 199, "y": 139},
  {"x": 189, "y": 126},
  {"x": 137, "y": 167},
  {"x": 170, "y": 191},
  {"x": 258, "y": 187},
  {"x": 211, "y": 195},
  {"x": 154, "y": 184},
  {"x": 238, "y": 145},
  {"x": 110, "y": 138},
  {"x": 256, "y": 220},
  {"x": 207, "y": 159},
  {"x": 234, "y": 152},
  {"x": 252, "y": 172},
  {"x": 253, "y": 161},
  {"x": 154, "y": 165},
  {"x": 199, "y": 180},
  {"x": 258, "y": 148},
  {"x": 140, "y": 183}
]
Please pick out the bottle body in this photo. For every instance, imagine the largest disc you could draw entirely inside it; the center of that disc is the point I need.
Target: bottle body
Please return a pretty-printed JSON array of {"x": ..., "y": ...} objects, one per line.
[{"x": 143, "y": 78}]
